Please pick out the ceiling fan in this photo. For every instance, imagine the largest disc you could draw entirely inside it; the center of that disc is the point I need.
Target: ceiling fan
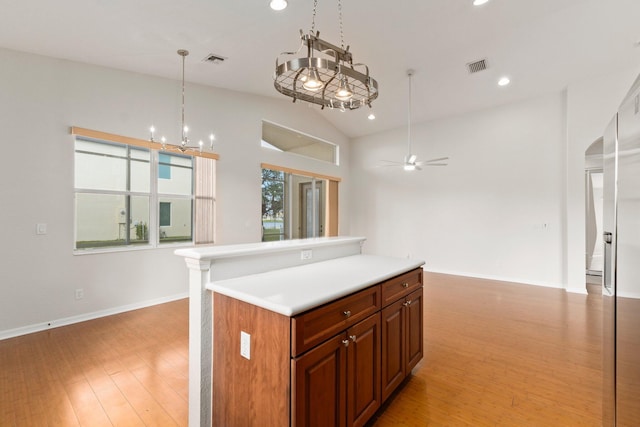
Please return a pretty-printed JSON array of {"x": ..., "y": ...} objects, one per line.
[{"x": 410, "y": 162}]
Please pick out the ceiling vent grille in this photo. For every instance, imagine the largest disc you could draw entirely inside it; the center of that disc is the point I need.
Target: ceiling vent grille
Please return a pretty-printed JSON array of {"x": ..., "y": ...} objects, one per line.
[
  {"x": 214, "y": 59},
  {"x": 477, "y": 66}
]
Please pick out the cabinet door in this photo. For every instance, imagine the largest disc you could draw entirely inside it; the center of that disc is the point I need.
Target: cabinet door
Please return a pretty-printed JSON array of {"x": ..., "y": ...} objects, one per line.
[
  {"x": 363, "y": 371},
  {"x": 414, "y": 317},
  {"x": 393, "y": 347},
  {"x": 319, "y": 385}
]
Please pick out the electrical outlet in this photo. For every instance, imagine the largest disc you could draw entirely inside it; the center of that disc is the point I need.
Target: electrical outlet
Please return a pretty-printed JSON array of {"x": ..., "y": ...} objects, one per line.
[
  {"x": 245, "y": 345},
  {"x": 306, "y": 254},
  {"x": 41, "y": 228},
  {"x": 79, "y": 293}
]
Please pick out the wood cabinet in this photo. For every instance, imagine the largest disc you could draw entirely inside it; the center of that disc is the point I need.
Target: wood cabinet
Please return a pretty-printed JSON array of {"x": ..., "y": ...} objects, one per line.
[
  {"x": 333, "y": 365},
  {"x": 402, "y": 329},
  {"x": 337, "y": 383},
  {"x": 402, "y": 343}
]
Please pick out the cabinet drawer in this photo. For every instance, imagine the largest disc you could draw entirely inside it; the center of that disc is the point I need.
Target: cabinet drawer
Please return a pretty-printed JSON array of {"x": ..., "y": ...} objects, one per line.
[
  {"x": 397, "y": 287},
  {"x": 311, "y": 328}
]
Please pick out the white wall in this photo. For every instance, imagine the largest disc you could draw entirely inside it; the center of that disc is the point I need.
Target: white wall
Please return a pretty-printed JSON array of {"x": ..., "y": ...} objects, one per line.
[
  {"x": 510, "y": 205},
  {"x": 494, "y": 212},
  {"x": 41, "y": 99}
]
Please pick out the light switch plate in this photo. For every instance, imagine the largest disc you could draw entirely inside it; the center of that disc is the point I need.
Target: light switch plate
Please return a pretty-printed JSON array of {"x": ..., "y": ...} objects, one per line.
[
  {"x": 306, "y": 254},
  {"x": 41, "y": 228},
  {"x": 245, "y": 345}
]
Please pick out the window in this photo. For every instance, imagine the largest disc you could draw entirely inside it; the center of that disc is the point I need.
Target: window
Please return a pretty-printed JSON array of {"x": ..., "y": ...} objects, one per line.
[
  {"x": 129, "y": 195},
  {"x": 165, "y": 215},
  {"x": 113, "y": 192},
  {"x": 164, "y": 169},
  {"x": 297, "y": 205},
  {"x": 280, "y": 138}
]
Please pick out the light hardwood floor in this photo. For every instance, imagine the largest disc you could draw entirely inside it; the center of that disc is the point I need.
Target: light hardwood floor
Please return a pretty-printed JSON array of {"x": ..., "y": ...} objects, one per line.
[{"x": 496, "y": 354}]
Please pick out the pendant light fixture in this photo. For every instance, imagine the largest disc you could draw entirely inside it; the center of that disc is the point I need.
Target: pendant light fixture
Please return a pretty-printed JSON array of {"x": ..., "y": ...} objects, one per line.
[
  {"x": 184, "y": 146},
  {"x": 327, "y": 75}
]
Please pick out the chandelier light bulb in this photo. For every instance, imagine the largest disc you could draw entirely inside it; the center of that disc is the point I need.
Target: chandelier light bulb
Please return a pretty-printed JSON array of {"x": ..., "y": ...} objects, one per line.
[
  {"x": 152, "y": 130},
  {"x": 344, "y": 92},
  {"x": 278, "y": 4},
  {"x": 371, "y": 116},
  {"x": 409, "y": 167},
  {"x": 479, "y": 2},
  {"x": 312, "y": 81}
]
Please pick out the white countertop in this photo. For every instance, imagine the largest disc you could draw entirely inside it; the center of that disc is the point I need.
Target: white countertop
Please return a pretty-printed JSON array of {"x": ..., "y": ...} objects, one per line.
[{"x": 291, "y": 291}]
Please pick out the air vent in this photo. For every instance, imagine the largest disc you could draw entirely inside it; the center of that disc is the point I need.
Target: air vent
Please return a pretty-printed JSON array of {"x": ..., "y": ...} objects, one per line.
[
  {"x": 214, "y": 59},
  {"x": 477, "y": 66}
]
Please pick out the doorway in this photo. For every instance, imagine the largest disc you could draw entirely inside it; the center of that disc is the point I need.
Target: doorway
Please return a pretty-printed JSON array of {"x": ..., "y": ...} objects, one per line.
[
  {"x": 594, "y": 246},
  {"x": 312, "y": 209}
]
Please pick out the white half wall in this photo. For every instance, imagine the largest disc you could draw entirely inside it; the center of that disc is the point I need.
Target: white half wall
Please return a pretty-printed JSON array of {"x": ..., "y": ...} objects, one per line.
[
  {"x": 495, "y": 212},
  {"x": 41, "y": 98}
]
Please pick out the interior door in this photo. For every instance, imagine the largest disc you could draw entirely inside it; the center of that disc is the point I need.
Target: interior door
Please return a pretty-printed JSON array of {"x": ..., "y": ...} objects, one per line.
[{"x": 312, "y": 208}]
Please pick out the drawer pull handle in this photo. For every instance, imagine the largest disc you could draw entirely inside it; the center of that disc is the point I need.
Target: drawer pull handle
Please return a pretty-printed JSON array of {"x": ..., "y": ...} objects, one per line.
[
  {"x": 352, "y": 338},
  {"x": 346, "y": 343},
  {"x": 347, "y": 313},
  {"x": 405, "y": 285}
]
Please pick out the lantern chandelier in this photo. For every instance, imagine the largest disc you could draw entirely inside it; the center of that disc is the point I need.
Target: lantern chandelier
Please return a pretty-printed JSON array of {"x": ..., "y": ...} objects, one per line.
[
  {"x": 327, "y": 76},
  {"x": 184, "y": 146}
]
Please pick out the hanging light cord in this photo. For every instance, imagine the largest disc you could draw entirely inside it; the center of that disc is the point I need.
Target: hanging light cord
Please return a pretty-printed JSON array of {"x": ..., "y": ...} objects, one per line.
[
  {"x": 341, "y": 26},
  {"x": 184, "y": 137},
  {"x": 409, "y": 118},
  {"x": 313, "y": 18}
]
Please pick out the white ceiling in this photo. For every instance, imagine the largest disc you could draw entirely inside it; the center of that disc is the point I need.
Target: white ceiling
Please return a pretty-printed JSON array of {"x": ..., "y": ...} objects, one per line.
[{"x": 542, "y": 45}]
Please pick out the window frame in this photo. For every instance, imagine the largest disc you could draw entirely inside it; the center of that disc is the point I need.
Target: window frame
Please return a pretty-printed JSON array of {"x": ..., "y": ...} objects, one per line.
[
  {"x": 155, "y": 151},
  {"x": 331, "y": 207}
]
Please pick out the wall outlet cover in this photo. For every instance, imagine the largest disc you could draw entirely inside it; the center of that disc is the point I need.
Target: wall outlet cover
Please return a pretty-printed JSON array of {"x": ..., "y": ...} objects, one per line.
[{"x": 245, "y": 345}]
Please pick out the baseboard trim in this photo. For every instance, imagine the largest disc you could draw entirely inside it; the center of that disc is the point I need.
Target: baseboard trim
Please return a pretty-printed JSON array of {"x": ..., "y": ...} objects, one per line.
[
  {"x": 502, "y": 279},
  {"x": 578, "y": 290},
  {"x": 39, "y": 327}
]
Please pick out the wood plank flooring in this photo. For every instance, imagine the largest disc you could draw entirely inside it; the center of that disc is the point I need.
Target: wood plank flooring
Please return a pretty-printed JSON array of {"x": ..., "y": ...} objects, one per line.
[
  {"x": 130, "y": 369},
  {"x": 496, "y": 354},
  {"x": 499, "y": 354}
]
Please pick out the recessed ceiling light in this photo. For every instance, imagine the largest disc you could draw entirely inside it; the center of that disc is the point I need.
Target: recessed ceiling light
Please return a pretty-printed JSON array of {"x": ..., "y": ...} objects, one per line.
[
  {"x": 504, "y": 81},
  {"x": 479, "y": 2},
  {"x": 371, "y": 116},
  {"x": 278, "y": 4}
]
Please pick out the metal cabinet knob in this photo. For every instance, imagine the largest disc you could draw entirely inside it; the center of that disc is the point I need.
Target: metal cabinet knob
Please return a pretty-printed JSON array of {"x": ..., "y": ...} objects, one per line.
[
  {"x": 346, "y": 343},
  {"x": 347, "y": 313},
  {"x": 407, "y": 303},
  {"x": 405, "y": 285},
  {"x": 352, "y": 338}
]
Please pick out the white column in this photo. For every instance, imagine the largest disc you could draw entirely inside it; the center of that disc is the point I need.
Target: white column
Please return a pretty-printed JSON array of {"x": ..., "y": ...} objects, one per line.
[{"x": 200, "y": 343}]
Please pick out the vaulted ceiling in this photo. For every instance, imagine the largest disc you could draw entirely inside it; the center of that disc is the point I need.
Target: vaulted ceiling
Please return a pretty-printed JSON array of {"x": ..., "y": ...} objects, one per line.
[{"x": 542, "y": 45}]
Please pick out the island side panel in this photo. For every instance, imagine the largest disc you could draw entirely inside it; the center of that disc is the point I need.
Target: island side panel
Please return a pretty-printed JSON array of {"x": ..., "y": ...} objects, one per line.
[{"x": 255, "y": 391}]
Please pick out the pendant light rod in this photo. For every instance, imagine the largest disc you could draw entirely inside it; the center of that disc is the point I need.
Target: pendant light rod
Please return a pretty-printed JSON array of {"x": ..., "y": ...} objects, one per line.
[
  {"x": 183, "y": 53},
  {"x": 410, "y": 74}
]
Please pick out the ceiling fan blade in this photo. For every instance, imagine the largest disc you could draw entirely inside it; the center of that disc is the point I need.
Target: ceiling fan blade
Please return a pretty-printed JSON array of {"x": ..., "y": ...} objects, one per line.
[
  {"x": 392, "y": 162},
  {"x": 436, "y": 164},
  {"x": 439, "y": 159}
]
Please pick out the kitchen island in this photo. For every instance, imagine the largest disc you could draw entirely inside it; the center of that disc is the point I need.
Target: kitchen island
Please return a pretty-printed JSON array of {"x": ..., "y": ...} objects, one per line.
[
  {"x": 293, "y": 281},
  {"x": 315, "y": 345}
]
